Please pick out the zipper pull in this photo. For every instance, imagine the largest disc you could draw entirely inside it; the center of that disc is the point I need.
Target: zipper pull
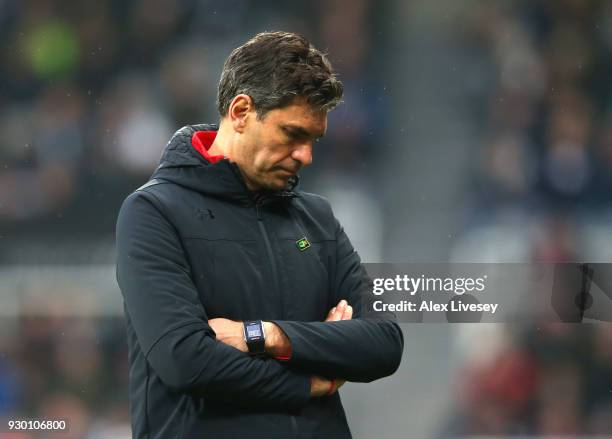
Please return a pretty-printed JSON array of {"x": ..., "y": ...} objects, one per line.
[{"x": 259, "y": 200}]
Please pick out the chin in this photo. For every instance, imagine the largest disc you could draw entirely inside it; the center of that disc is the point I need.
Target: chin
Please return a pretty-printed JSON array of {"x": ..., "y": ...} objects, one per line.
[
  {"x": 273, "y": 182},
  {"x": 276, "y": 184}
]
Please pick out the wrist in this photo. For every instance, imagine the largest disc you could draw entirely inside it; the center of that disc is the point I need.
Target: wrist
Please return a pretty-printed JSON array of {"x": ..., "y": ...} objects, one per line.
[
  {"x": 277, "y": 343},
  {"x": 322, "y": 386},
  {"x": 332, "y": 387}
]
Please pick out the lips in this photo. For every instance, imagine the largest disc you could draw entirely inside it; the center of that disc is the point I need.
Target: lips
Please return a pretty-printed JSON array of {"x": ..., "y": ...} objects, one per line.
[{"x": 287, "y": 171}]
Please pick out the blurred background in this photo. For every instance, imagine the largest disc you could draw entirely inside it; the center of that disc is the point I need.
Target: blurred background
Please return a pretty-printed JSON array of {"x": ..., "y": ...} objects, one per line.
[{"x": 471, "y": 131}]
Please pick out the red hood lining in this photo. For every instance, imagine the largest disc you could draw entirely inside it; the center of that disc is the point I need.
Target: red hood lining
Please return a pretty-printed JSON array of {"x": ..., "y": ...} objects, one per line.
[{"x": 202, "y": 141}]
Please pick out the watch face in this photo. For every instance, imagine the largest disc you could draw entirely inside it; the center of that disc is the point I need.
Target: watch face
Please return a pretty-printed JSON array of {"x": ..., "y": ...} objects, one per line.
[{"x": 254, "y": 330}]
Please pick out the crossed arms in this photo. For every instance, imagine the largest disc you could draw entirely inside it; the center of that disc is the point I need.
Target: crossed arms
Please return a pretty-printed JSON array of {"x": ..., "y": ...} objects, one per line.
[
  {"x": 278, "y": 345},
  {"x": 195, "y": 355}
]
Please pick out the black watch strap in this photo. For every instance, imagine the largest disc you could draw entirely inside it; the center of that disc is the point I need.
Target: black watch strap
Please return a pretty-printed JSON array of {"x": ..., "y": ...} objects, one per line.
[{"x": 255, "y": 337}]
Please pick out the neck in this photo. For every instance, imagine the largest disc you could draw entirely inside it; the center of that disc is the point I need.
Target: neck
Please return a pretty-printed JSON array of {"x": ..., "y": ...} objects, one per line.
[{"x": 222, "y": 144}]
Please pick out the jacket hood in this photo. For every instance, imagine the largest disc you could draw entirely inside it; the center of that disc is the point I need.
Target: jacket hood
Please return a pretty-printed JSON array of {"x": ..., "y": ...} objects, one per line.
[{"x": 182, "y": 164}]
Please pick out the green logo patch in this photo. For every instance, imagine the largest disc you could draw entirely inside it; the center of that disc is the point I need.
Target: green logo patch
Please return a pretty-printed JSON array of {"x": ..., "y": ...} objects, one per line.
[{"x": 302, "y": 244}]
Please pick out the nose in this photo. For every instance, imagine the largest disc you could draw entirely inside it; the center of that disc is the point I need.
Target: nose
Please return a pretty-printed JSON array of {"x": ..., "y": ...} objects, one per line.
[{"x": 303, "y": 153}]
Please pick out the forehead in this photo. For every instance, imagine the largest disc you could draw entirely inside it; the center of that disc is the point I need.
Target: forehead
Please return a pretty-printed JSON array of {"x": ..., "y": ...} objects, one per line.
[{"x": 299, "y": 114}]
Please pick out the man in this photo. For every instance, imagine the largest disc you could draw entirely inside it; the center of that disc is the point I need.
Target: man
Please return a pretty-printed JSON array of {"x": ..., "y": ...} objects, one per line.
[{"x": 243, "y": 295}]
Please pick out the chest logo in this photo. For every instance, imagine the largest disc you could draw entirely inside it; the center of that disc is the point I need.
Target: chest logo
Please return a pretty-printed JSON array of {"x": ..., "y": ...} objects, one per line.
[
  {"x": 302, "y": 243},
  {"x": 204, "y": 213}
]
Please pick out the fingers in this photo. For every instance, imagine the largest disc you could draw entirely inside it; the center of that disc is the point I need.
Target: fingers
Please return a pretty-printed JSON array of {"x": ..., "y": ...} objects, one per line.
[
  {"x": 215, "y": 324},
  {"x": 336, "y": 312},
  {"x": 324, "y": 387},
  {"x": 331, "y": 315},
  {"x": 342, "y": 311},
  {"x": 334, "y": 386},
  {"x": 348, "y": 313},
  {"x": 319, "y": 386},
  {"x": 339, "y": 312}
]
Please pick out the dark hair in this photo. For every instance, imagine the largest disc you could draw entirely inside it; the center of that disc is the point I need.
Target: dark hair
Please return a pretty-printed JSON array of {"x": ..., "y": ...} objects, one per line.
[{"x": 274, "y": 68}]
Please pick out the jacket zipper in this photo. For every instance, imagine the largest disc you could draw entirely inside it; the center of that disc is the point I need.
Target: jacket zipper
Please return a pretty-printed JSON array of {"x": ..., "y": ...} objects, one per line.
[
  {"x": 264, "y": 233},
  {"x": 294, "y": 426}
]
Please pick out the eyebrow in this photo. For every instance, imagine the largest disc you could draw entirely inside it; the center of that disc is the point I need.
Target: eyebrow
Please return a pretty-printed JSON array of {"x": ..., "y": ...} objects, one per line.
[{"x": 299, "y": 131}]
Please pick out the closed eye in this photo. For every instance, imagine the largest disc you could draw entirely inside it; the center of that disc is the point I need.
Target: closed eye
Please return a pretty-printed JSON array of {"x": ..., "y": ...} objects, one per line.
[
  {"x": 297, "y": 134},
  {"x": 294, "y": 136}
]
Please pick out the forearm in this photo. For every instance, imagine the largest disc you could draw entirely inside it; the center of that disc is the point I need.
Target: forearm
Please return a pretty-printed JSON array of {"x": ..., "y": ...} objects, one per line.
[
  {"x": 359, "y": 350},
  {"x": 189, "y": 361}
]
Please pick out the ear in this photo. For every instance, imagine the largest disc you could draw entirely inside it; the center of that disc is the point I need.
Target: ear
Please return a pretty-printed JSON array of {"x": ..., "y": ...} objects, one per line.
[{"x": 240, "y": 109}]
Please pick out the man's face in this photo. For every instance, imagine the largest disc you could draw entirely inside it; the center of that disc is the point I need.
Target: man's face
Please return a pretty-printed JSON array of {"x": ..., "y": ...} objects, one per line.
[{"x": 273, "y": 149}]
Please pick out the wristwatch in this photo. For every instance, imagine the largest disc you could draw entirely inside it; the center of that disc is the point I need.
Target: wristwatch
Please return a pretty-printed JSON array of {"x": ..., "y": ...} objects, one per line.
[{"x": 255, "y": 337}]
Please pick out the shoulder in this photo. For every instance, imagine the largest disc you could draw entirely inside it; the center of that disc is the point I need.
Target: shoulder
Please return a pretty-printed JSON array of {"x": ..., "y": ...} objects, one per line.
[
  {"x": 148, "y": 191},
  {"x": 162, "y": 193},
  {"x": 147, "y": 199}
]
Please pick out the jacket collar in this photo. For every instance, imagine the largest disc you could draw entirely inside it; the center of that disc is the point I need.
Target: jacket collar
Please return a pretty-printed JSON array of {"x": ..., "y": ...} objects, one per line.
[{"x": 183, "y": 164}]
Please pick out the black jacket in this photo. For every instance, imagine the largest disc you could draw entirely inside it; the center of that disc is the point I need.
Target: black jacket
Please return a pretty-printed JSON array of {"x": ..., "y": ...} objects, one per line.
[{"x": 194, "y": 244}]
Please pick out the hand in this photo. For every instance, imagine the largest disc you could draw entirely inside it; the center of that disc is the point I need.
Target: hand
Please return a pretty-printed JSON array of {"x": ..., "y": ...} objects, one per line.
[
  {"x": 324, "y": 387},
  {"x": 342, "y": 311},
  {"x": 229, "y": 332}
]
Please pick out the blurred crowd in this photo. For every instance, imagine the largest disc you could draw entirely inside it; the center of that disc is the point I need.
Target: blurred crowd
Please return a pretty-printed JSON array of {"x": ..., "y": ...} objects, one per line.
[
  {"x": 551, "y": 380},
  {"x": 65, "y": 368},
  {"x": 544, "y": 103},
  {"x": 540, "y": 192},
  {"x": 91, "y": 91}
]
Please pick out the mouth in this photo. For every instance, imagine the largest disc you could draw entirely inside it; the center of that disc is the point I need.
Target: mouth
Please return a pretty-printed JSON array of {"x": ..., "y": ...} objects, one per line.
[{"x": 286, "y": 171}]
